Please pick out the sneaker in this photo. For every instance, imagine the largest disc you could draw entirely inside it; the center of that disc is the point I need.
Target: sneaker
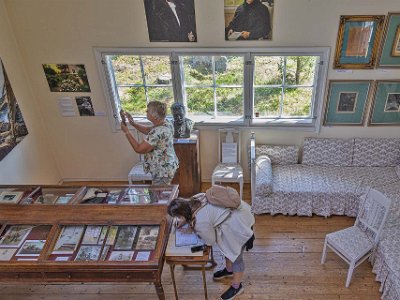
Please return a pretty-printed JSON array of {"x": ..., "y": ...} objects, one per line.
[
  {"x": 222, "y": 274},
  {"x": 231, "y": 293}
]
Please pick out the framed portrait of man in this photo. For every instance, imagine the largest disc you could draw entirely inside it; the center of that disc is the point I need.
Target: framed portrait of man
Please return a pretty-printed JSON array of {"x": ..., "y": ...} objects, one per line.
[
  {"x": 171, "y": 20},
  {"x": 248, "y": 19}
]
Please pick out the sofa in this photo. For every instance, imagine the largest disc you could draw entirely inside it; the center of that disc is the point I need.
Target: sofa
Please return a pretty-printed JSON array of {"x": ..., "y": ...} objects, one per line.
[{"x": 327, "y": 177}]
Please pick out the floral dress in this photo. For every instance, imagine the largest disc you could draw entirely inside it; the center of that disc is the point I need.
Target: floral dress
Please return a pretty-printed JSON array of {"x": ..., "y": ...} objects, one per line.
[{"x": 162, "y": 161}]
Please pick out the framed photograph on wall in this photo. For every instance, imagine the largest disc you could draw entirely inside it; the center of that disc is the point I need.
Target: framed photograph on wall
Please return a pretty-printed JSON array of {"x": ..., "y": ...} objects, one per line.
[
  {"x": 248, "y": 20},
  {"x": 386, "y": 103},
  {"x": 389, "y": 53},
  {"x": 346, "y": 102},
  {"x": 358, "y": 41},
  {"x": 171, "y": 21}
]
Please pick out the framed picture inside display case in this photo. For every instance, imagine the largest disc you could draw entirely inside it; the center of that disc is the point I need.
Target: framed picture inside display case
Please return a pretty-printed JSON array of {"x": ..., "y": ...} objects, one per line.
[
  {"x": 346, "y": 102},
  {"x": 389, "y": 53},
  {"x": 358, "y": 41},
  {"x": 23, "y": 242},
  {"x": 386, "y": 103}
]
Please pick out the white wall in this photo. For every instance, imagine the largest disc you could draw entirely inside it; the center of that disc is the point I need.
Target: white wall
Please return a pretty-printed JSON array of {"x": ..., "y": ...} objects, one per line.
[
  {"x": 65, "y": 31},
  {"x": 31, "y": 161}
]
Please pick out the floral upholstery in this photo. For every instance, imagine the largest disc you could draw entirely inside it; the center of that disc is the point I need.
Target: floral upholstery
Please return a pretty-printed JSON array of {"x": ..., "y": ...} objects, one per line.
[
  {"x": 386, "y": 263},
  {"x": 376, "y": 152},
  {"x": 306, "y": 190},
  {"x": 392, "y": 191},
  {"x": 318, "y": 151},
  {"x": 279, "y": 155},
  {"x": 352, "y": 241}
]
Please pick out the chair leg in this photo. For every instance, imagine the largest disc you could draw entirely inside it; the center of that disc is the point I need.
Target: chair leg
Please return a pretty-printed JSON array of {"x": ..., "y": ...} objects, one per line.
[
  {"x": 350, "y": 273},
  {"x": 212, "y": 181},
  {"x": 324, "y": 253}
]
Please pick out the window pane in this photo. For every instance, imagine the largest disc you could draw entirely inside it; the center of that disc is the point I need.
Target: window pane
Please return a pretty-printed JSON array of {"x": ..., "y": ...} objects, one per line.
[
  {"x": 133, "y": 100},
  {"x": 297, "y": 102},
  {"x": 162, "y": 94},
  {"x": 126, "y": 69},
  {"x": 200, "y": 101},
  {"x": 230, "y": 101},
  {"x": 157, "y": 69},
  {"x": 229, "y": 70},
  {"x": 267, "y": 102},
  {"x": 198, "y": 70},
  {"x": 300, "y": 70},
  {"x": 268, "y": 70}
]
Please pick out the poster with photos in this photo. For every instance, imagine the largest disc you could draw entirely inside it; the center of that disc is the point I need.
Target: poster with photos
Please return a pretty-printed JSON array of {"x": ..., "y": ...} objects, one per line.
[{"x": 248, "y": 20}]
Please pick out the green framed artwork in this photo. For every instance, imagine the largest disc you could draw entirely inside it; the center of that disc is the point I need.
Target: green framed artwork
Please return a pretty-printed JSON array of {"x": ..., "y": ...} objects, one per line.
[
  {"x": 346, "y": 102},
  {"x": 386, "y": 105},
  {"x": 390, "y": 47},
  {"x": 358, "y": 41}
]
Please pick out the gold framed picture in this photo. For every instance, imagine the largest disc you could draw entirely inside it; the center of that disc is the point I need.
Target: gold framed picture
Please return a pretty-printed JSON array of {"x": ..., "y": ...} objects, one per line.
[
  {"x": 396, "y": 43},
  {"x": 358, "y": 41}
]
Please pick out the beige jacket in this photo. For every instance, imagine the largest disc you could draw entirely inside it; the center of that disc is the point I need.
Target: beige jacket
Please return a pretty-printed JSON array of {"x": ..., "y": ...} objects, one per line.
[{"x": 228, "y": 229}]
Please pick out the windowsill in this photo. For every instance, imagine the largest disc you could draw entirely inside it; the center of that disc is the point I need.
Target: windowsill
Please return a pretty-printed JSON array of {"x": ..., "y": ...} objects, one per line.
[{"x": 280, "y": 124}]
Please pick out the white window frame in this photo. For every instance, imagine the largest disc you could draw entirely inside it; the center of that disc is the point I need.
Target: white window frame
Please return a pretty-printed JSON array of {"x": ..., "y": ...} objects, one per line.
[{"x": 248, "y": 121}]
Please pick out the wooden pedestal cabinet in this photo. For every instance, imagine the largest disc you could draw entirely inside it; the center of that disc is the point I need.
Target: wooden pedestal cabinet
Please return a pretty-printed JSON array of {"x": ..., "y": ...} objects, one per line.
[{"x": 188, "y": 174}]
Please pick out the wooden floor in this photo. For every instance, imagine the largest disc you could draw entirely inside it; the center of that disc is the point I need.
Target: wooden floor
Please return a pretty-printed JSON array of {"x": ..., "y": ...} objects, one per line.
[{"x": 284, "y": 264}]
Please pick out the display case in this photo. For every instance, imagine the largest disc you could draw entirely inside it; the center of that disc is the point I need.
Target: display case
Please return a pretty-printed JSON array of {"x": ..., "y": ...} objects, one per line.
[{"x": 102, "y": 242}]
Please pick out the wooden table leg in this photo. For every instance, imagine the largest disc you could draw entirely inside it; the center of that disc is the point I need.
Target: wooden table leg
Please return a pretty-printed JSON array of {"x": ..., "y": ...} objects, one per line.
[
  {"x": 203, "y": 270},
  {"x": 159, "y": 290},
  {"x": 172, "y": 268}
]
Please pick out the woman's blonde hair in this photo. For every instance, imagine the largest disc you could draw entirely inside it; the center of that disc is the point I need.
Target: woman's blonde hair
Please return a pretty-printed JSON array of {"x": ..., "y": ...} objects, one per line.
[{"x": 157, "y": 109}]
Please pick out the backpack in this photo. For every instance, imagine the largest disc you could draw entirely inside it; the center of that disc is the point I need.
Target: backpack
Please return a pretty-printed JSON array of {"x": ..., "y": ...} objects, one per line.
[{"x": 223, "y": 196}]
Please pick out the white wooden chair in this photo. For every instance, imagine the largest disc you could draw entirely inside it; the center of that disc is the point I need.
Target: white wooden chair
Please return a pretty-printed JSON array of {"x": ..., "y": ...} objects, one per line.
[
  {"x": 137, "y": 174},
  {"x": 355, "y": 244},
  {"x": 229, "y": 168}
]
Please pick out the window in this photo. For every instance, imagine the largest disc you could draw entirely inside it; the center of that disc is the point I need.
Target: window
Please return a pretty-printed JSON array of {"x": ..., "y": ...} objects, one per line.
[
  {"x": 140, "y": 78},
  {"x": 222, "y": 86},
  {"x": 213, "y": 86}
]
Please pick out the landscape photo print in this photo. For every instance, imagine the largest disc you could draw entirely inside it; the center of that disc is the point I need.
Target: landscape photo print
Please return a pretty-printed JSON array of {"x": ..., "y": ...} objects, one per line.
[{"x": 12, "y": 124}]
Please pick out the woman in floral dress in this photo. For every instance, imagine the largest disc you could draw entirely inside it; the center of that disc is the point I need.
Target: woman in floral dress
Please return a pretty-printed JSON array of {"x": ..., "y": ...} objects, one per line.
[{"x": 160, "y": 159}]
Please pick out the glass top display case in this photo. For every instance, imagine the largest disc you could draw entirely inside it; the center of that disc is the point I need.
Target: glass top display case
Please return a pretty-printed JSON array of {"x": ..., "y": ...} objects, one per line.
[{"x": 121, "y": 237}]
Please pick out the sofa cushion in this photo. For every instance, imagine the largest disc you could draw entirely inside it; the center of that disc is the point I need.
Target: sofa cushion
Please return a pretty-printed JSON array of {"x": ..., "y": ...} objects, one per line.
[
  {"x": 327, "y": 152},
  {"x": 381, "y": 152},
  {"x": 279, "y": 155}
]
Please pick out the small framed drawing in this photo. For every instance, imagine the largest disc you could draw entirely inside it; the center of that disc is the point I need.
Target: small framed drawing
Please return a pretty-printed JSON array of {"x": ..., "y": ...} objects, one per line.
[
  {"x": 389, "y": 52},
  {"x": 358, "y": 41},
  {"x": 346, "y": 102},
  {"x": 10, "y": 197},
  {"x": 386, "y": 103}
]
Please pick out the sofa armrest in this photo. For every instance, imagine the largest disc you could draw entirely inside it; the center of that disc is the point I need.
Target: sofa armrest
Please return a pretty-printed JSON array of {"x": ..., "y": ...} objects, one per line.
[{"x": 263, "y": 175}]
